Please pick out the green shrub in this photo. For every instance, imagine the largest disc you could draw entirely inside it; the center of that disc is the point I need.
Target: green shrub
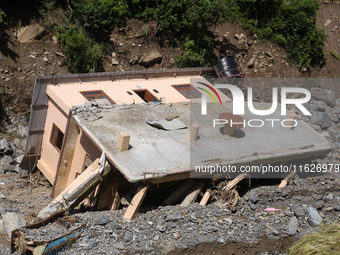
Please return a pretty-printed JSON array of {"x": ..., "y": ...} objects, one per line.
[
  {"x": 290, "y": 24},
  {"x": 192, "y": 56},
  {"x": 99, "y": 16},
  {"x": 82, "y": 54},
  {"x": 185, "y": 23}
]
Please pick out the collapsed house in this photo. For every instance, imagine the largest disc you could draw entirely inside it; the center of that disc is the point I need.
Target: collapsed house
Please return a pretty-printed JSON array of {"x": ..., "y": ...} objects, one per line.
[{"x": 148, "y": 133}]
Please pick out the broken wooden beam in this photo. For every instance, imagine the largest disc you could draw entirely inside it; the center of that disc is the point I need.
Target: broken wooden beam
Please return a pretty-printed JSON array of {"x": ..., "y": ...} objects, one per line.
[
  {"x": 174, "y": 196},
  {"x": 136, "y": 202},
  {"x": 79, "y": 188},
  {"x": 286, "y": 180},
  {"x": 205, "y": 198},
  {"x": 235, "y": 181},
  {"x": 191, "y": 197}
]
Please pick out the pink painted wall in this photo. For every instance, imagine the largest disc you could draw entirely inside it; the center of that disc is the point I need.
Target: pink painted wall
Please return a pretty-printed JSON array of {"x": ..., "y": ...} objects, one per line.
[{"x": 49, "y": 154}]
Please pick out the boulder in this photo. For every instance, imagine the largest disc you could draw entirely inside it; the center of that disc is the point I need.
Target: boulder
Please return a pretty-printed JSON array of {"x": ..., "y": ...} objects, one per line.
[
  {"x": 5, "y": 147},
  {"x": 314, "y": 218},
  {"x": 325, "y": 95},
  {"x": 319, "y": 106},
  {"x": 321, "y": 119},
  {"x": 251, "y": 63},
  {"x": 12, "y": 221},
  {"x": 151, "y": 58},
  {"x": 29, "y": 33},
  {"x": 293, "y": 226}
]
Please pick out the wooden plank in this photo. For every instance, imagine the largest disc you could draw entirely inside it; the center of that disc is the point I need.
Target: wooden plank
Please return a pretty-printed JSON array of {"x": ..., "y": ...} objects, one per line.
[
  {"x": 115, "y": 201},
  {"x": 286, "y": 180},
  {"x": 191, "y": 197},
  {"x": 136, "y": 202},
  {"x": 174, "y": 196},
  {"x": 205, "y": 198},
  {"x": 80, "y": 187},
  {"x": 235, "y": 181}
]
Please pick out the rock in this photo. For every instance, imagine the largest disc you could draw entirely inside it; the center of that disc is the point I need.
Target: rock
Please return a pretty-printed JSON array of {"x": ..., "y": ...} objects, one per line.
[
  {"x": 268, "y": 54},
  {"x": 17, "y": 143},
  {"x": 293, "y": 226},
  {"x": 322, "y": 119},
  {"x": 334, "y": 114},
  {"x": 103, "y": 221},
  {"x": 11, "y": 168},
  {"x": 19, "y": 159},
  {"x": 29, "y": 33},
  {"x": 59, "y": 54},
  {"x": 12, "y": 221},
  {"x": 153, "y": 57},
  {"x": 45, "y": 59},
  {"x": 336, "y": 207},
  {"x": 319, "y": 106},
  {"x": 161, "y": 227},
  {"x": 252, "y": 206},
  {"x": 6, "y": 160},
  {"x": 319, "y": 205},
  {"x": 114, "y": 61},
  {"x": 174, "y": 217},
  {"x": 337, "y": 103},
  {"x": 251, "y": 62},
  {"x": 298, "y": 211},
  {"x": 22, "y": 130},
  {"x": 329, "y": 21},
  {"x": 253, "y": 197},
  {"x": 329, "y": 198},
  {"x": 5, "y": 148},
  {"x": 315, "y": 127},
  {"x": 325, "y": 95},
  {"x": 314, "y": 218},
  {"x": 240, "y": 36}
]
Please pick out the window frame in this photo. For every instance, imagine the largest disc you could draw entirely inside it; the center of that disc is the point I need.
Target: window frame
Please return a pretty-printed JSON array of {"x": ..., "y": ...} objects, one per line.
[
  {"x": 97, "y": 95},
  {"x": 187, "y": 90},
  {"x": 54, "y": 137},
  {"x": 146, "y": 91}
]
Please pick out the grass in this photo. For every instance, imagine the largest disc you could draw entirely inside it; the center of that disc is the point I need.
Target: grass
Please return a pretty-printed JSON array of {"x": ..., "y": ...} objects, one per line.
[{"x": 325, "y": 241}]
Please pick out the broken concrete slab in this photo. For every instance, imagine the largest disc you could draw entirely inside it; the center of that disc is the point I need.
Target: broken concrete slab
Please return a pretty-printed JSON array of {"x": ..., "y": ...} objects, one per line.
[{"x": 12, "y": 221}]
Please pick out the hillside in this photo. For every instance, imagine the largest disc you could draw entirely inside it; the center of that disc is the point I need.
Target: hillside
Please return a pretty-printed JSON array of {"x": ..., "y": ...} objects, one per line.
[{"x": 21, "y": 58}]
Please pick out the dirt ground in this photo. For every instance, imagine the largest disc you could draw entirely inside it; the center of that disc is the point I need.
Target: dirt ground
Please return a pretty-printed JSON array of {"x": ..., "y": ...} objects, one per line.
[{"x": 232, "y": 248}]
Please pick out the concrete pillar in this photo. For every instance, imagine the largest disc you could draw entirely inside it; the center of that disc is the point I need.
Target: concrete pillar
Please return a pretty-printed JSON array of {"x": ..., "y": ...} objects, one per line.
[
  {"x": 123, "y": 141},
  {"x": 194, "y": 132}
]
